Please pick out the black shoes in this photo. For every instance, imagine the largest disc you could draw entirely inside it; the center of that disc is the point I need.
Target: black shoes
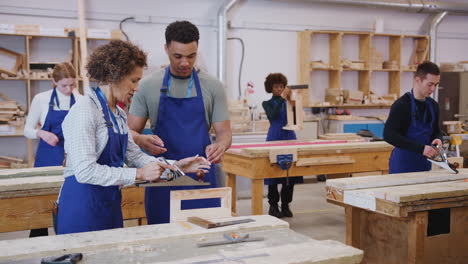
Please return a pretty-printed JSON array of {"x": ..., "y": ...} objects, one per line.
[
  {"x": 285, "y": 211},
  {"x": 274, "y": 211}
]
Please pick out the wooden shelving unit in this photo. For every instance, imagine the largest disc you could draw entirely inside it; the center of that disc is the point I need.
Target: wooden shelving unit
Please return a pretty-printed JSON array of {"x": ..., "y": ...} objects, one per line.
[
  {"x": 30, "y": 34},
  {"x": 365, "y": 48}
]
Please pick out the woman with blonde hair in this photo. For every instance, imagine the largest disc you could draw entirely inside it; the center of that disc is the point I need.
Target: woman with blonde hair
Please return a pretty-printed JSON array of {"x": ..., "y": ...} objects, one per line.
[{"x": 48, "y": 110}]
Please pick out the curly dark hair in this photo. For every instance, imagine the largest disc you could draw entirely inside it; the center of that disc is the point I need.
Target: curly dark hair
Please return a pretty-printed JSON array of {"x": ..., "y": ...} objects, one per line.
[
  {"x": 182, "y": 31},
  {"x": 426, "y": 68},
  {"x": 274, "y": 78},
  {"x": 111, "y": 62}
]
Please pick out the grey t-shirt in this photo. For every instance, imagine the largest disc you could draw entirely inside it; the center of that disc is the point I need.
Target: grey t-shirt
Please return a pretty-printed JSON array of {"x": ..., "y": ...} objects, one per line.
[{"x": 145, "y": 103}]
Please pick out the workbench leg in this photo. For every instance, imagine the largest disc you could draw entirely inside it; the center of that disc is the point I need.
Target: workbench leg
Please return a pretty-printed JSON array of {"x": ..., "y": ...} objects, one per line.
[
  {"x": 417, "y": 227},
  {"x": 353, "y": 226},
  {"x": 231, "y": 182},
  {"x": 257, "y": 197}
]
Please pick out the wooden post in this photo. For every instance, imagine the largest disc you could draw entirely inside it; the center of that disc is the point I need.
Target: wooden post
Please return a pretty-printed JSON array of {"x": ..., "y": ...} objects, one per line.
[
  {"x": 257, "y": 196},
  {"x": 83, "y": 43},
  {"x": 416, "y": 234},
  {"x": 231, "y": 182}
]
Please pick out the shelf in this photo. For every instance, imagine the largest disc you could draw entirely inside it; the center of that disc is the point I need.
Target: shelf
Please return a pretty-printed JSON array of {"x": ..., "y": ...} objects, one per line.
[
  {"x": 14, "y": 79},
  {"x": 357, "y": 106},
  {"x": 345, "y": 69},
  {"x": 362, "y": 47},
  {"x": 14, "y": 135},
  {"x": 386, "y": 70}
]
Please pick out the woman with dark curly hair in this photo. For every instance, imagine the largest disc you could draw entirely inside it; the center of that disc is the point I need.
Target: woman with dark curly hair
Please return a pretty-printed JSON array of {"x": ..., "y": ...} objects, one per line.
[
  {"x": 275, "y": 108},
  {"x": 97, "y": 144}
]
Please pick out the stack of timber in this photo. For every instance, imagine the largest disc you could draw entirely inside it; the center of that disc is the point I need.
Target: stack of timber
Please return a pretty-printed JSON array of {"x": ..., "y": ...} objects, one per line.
[
  {"x": 11, "y": 116},
  {"x": 376, "y": 60},
  {"x": 419, "y": 217},
  {"x": 11, "y": 163},
  {"x": 240, "y": 117}
]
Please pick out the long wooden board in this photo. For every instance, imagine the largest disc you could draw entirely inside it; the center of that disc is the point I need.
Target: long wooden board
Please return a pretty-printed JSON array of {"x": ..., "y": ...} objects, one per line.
[
  {"x": 176, "y": 243},
  {"x": 319, "y": 148},
  {"x": 396, "y": 179}
]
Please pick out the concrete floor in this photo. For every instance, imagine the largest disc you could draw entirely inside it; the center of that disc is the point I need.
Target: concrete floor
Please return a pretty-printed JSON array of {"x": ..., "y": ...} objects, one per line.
[{"x": 313, "y": 216}]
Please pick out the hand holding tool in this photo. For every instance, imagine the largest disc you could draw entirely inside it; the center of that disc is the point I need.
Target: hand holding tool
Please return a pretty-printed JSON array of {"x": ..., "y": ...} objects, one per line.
[{"x": 442, "y": 161}]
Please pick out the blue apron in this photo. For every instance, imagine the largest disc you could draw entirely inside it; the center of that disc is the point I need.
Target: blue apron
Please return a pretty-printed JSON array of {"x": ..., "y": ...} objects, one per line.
[
  {"x": 401, "y": 160},
  {"x": 46, "y": 154},
  {"x": 86, "y": 207},
  {"x": 181, "y": 124},
  {"x": 276, "y": 132}
]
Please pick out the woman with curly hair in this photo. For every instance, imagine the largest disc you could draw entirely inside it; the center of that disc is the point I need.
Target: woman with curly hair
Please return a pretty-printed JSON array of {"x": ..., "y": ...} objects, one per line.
[
  {"x": 275, "y": 108},
  {"x": 97, "y": 144}
]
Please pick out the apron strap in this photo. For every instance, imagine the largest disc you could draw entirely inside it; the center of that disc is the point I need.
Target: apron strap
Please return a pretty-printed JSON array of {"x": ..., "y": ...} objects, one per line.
[{"x": 106, "y": 110}]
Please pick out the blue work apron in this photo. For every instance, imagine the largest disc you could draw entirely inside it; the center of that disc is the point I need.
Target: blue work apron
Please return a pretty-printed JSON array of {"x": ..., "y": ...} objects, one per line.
[
  {"x": 401, "y": 160},
  {"x": 86, "y": 207},
  {"x": 46, "y": 154},
  {"x": 181, "y": 124},
  {"x": 276, "y": 132}
]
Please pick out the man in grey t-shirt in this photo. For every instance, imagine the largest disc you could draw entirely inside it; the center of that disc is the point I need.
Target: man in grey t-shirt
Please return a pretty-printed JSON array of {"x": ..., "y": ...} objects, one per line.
[{"x": 182, "y": 105}]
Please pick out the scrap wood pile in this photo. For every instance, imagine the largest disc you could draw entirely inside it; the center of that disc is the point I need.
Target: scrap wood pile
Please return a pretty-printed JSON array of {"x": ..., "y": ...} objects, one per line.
[
  {"x": 12, "y": 163},
  {"x": 11, "y": 113}
]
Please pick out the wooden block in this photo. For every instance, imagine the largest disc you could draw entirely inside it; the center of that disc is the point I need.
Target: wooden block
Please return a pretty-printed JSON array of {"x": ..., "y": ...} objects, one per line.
[
  {"x": 319, "y": 65},
  {"x": 353, "y": 96},
  {"x": 334, "y": 92},
  {"x": 201, "y": 222},
  {"x": 177, "y": 214},
  {"x": 453, "y": 127}
]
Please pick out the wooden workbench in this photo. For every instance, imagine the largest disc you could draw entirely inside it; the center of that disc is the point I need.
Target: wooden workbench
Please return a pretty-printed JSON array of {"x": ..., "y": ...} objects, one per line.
[
  {"x": 321, "y": 157},
  {"x": 26, "y": 202},
  {"x": 392, "y": 217},
  {"x": 176, "y": 243}
]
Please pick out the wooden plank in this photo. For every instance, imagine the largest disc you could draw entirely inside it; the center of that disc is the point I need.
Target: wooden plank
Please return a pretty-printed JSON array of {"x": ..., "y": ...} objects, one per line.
[
  {"x": 339, "y": 136},
  {"x": 397, "y": 179},
  {"x": 28, "y": 172},
  {"x": 115, "y": 238},
  {"x": 318, "y": 148},
  {"x": 368, "y": 198},
  {"x": 325, "y": 161},
  {"x": 177, "y": 214},
  {"x": 30, "y": 183}
]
